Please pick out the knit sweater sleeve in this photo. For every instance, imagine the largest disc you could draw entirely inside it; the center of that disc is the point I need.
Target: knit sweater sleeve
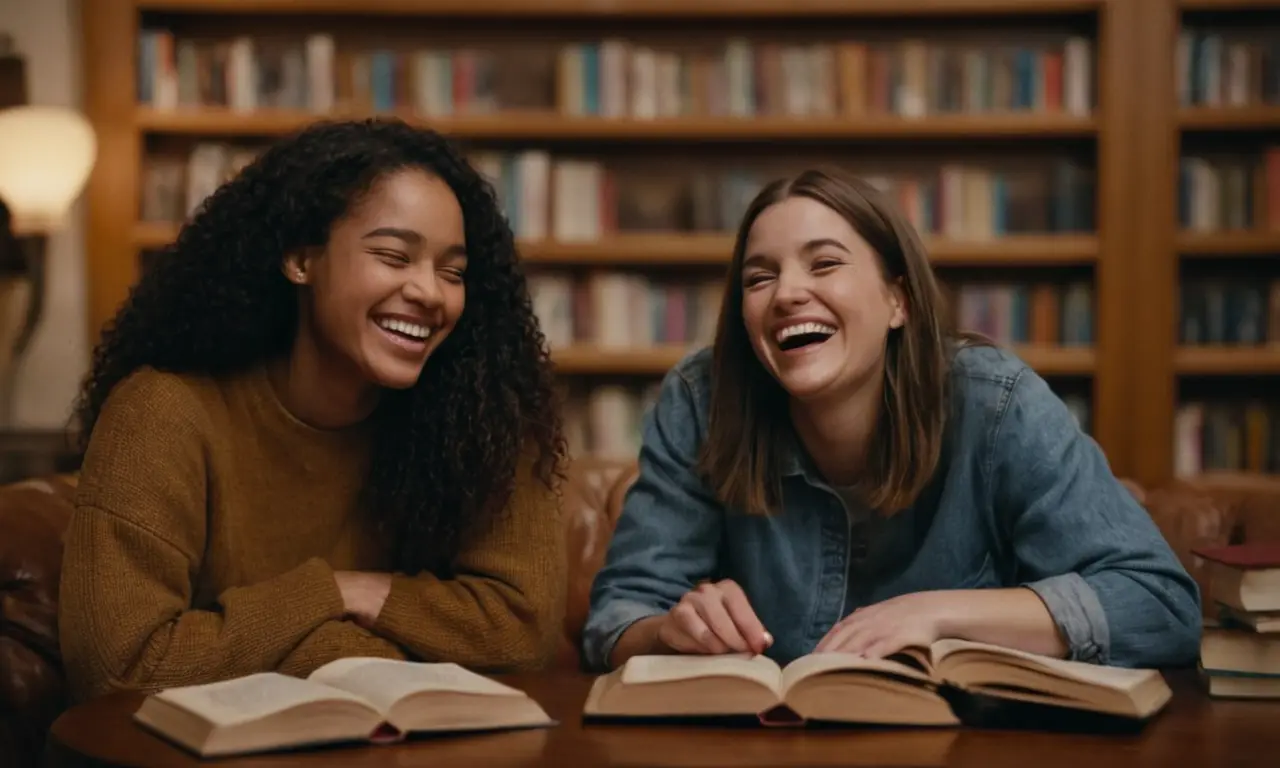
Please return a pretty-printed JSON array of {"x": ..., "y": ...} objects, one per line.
[
  {"x": 502, "y": 608},
  {"x": 134, "y": 546},
  {"x": 335, "y": 640}
]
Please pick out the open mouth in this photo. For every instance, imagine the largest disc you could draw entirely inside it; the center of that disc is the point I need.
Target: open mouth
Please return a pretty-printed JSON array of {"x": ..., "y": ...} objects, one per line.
[
  {"x": 404, "y": 331},
  {"x": 803, "y": 335}
]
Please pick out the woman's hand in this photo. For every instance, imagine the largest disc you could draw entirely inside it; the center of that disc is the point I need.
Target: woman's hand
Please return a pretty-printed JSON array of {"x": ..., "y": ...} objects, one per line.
[
  {"x": 886, "y": 628},
  {"x": 363, "y": 594},
  {"x": 714, "y": 618}
]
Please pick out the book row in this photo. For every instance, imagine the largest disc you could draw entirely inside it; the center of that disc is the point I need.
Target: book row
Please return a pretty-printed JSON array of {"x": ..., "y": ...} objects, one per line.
[
  {"x": 614, "y": 309},
  {"x": 1226, "y": 67},
  {"x": 619, "y": 77},
  {"x": 1229, "y": 191},
  {"x": 574, "y": 199},
  {"x": 1230, "y": 312},
  {"x": 1226, "y": 435}
]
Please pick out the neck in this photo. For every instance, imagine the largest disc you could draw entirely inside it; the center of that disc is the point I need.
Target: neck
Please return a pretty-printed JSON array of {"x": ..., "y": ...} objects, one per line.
[
  {"x": 837, "y": 431},
  {"x": 316, "y": 391}
]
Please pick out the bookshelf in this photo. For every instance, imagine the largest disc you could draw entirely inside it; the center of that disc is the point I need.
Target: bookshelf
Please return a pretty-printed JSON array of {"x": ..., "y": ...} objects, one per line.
[
  {"x": 1079, "y": 128},
  {"x": 1206, "y": 345}
]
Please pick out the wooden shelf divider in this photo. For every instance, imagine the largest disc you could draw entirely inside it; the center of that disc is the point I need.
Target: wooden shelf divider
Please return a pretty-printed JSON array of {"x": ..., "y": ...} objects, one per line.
[
  {"x": 1249, "y": 118},
  {"x": 1227, "y": 361},
  {"x": 735, "y": 9},
  {"x": 1237, "y": 243},
  {"x": 715, "y": 248},
  {"x": 549, "y": 125},
  {"x": 603, "y": 361}
]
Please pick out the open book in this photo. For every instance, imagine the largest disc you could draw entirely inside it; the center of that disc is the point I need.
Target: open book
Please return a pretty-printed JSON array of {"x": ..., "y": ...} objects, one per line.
[
  {"x": 353, "y": 699},
  {"x": 920, "y": 686}
]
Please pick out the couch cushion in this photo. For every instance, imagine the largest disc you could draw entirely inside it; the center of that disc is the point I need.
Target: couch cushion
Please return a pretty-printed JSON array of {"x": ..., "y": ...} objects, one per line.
[
  {"x": 1215, "y": 510},
  {"x": 592, "y": 502},
  {"x": 33, "y": 517}
]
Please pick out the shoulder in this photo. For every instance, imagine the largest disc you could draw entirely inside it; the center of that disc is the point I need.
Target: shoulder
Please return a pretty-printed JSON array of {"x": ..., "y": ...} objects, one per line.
[
  {"x": 986, "y": 365},
  {"x": 997, "y": 396},
  {"x": 687, "y": 386},
  {"x": 694, "y": 371},
  {"x": 152, "y": 399},
  {"x": 678, "y": 414},
  {"x": 988, "y": 378}
]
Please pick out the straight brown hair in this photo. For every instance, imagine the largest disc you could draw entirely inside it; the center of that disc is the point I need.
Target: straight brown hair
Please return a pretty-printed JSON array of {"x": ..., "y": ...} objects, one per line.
[{"x": 749, "y": 416}]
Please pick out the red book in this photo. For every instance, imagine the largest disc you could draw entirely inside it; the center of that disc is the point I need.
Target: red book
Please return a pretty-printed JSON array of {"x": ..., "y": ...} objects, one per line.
[
  {"x": 1247, "y": 557},
  {"x": 1245, "y": 577}
]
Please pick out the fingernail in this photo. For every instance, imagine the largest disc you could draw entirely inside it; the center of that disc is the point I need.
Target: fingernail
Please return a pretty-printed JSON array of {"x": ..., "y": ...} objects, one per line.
[{"x": 768, "y": 639}]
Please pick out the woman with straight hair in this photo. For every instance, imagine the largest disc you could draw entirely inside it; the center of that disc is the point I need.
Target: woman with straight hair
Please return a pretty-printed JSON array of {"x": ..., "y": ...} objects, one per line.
[{"x": 842, "y": 471}]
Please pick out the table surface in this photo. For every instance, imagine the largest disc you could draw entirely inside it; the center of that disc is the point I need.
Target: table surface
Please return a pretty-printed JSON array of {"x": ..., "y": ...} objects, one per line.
[{"x": 1193, "y": 731}]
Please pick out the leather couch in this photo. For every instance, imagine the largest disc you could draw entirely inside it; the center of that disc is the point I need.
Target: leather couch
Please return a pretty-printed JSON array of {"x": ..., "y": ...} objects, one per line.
[{"x": 34, "y": 513}]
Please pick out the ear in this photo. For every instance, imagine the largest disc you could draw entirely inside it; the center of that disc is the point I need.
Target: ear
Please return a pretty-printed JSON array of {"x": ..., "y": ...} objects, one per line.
[
  {"x": 897, "y": 305},
  {"x": 296, "y": 266}
]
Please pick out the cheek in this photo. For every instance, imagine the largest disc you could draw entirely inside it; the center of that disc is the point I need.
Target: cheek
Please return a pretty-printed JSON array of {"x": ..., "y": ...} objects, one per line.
[
  {"x": 455, "y": 301},
  {"x": 754, "y": 307},
  {"x": 862, "y": 306}
]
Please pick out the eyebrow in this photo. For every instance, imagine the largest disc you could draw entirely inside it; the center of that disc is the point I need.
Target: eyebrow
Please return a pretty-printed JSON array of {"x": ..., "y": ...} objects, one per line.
[
  {"x": 410, "y": 236},
  {"x": 812, "y": 245},
  {"x": 407, "y": 235}
]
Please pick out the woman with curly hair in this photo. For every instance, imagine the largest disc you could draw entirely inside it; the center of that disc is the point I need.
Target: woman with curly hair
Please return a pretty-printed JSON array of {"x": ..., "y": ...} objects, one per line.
[{"x": 323, "y": 425}]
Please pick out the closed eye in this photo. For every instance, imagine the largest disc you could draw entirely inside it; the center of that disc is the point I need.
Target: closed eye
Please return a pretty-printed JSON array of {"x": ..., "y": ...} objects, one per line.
[{"x": 395, "y": 257}]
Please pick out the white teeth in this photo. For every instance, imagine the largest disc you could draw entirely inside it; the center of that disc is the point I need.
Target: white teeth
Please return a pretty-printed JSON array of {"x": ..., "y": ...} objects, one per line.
[
  {"x": 795, "y": 330},
  {"x": 420, "y": 332}
]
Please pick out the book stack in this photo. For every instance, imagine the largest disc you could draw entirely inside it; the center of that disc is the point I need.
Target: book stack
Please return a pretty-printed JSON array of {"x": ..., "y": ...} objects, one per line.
[{"x": 1240, "y": 651}]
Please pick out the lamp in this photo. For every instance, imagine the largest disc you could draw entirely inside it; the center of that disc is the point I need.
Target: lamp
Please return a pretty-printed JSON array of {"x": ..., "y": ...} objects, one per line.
[{"x": 46, "y": 154}]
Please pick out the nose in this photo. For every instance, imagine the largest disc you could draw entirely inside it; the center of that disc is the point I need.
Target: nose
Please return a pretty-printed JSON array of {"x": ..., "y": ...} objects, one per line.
[
  {"x": 794, "y": 286},
  {"x": 422, "y": 286}
]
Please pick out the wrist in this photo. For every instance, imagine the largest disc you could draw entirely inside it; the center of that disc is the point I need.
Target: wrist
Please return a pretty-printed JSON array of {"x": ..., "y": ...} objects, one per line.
[
  {"x": 639, "y": 639},
  {"x": 951, "y": 618}
]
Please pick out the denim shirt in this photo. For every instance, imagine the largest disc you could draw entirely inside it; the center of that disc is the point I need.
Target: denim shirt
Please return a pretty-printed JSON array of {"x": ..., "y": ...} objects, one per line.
[{"x": 1021, "y": 497}]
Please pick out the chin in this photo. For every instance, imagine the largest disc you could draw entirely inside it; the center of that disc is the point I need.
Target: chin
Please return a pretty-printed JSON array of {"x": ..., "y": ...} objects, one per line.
[
  {"x": 805, "y": 387},
  {"x": 394, "y": 374}
]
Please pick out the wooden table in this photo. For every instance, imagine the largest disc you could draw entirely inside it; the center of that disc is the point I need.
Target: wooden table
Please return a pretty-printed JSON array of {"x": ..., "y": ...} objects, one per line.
[{"x": 1193, "y": 731}]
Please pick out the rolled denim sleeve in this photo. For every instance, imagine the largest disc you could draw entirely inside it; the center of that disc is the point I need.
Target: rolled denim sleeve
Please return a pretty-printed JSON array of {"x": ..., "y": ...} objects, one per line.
[
  {"x": 668, "y": 534},
  {"x": 1081, "y": 541}
]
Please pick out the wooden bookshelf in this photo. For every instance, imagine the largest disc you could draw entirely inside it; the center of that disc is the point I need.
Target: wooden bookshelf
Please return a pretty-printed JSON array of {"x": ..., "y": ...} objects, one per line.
[
  {"x": 1172, "y": 125},
  {"x": 128, "y": 130}
]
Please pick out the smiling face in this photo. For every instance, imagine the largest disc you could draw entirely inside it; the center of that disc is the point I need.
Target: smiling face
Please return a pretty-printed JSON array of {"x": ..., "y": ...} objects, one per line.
[
  {"x": 388, "y": 287},
  {"x": 815, "y": 303}
]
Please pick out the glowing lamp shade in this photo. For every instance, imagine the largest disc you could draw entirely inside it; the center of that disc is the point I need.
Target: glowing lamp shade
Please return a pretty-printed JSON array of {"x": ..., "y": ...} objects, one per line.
[{"x": 46, "y": 154}]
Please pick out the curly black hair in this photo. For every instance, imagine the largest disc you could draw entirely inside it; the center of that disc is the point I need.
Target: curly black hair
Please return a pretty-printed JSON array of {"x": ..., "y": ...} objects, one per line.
[{"x": 216, "y": 303}]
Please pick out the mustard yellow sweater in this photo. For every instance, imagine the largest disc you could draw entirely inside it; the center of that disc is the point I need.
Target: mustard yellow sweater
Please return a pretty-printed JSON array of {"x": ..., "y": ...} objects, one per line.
[{"x": 207, "y": 528}]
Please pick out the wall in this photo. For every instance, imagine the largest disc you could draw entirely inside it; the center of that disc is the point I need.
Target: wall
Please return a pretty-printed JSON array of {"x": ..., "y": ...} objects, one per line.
[{"x": 47, "y": 34}]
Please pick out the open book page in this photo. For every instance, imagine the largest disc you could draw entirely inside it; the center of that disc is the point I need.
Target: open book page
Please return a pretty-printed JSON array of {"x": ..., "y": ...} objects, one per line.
[
  {"x": 815, "y": 664},
  {"x": 664, "y": 669},
  {"x": 947, "y": 654},
  {"x": 383, "y": 682},
  {"x": 231, "y": 702}
]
